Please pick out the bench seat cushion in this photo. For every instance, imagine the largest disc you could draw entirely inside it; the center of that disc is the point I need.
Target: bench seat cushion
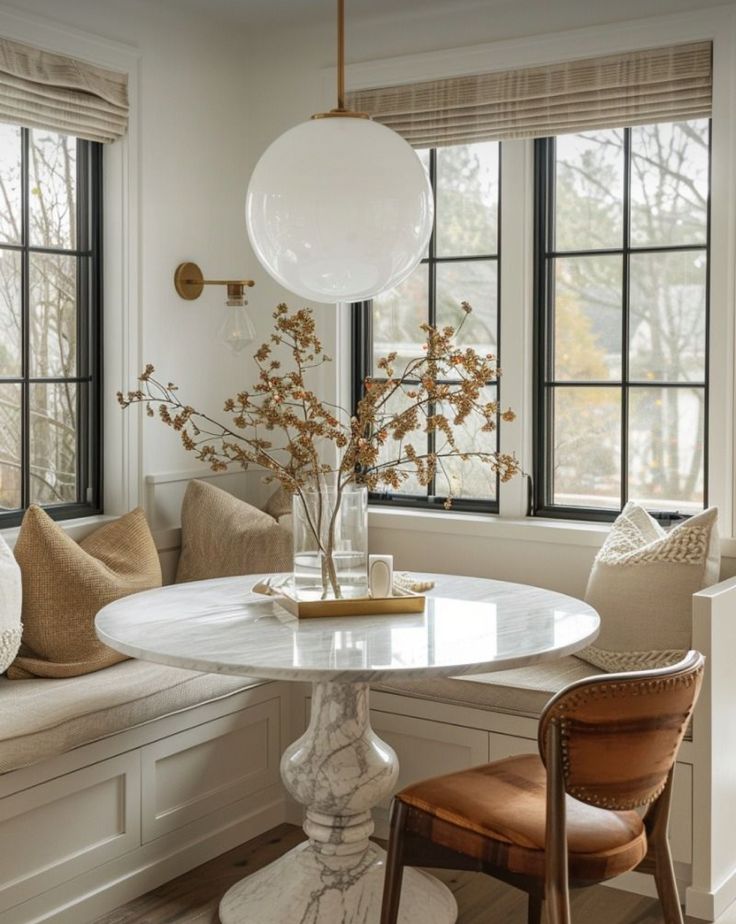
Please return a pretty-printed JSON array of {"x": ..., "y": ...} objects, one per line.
[
  {"x": 523, "y": 691},
  {"x": 43, "y": 718}
]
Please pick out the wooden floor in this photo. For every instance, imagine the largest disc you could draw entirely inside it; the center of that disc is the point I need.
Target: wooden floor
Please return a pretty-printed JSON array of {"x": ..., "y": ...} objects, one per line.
[{"x": 193, "y": 898}]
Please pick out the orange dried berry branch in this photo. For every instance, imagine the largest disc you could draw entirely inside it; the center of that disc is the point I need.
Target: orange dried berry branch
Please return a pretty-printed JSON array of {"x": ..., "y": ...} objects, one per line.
[{"x": 303, "y": 442}]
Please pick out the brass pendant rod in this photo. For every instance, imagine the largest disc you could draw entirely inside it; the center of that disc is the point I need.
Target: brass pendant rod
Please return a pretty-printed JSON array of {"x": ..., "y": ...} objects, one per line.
[
  {"x": 341, "y": 110},
  {"x": 340, "y": 55}
]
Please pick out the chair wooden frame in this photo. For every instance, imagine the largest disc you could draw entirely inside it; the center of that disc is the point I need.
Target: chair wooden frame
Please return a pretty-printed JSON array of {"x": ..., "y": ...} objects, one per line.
[{"x": 410, "y": 843}]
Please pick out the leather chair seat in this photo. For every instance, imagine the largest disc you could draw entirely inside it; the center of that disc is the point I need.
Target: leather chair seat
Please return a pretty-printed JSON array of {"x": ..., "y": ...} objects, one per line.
[{"x": 496, "y": 814}]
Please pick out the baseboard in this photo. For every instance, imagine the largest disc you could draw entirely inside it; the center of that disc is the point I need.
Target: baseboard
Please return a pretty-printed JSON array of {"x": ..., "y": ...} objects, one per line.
[
  {"x": 707, "y": 906},
  {"x": 700, "y": 904},
  {"x": 99, "y": 891},
  {"x": 294, "y": 812}
]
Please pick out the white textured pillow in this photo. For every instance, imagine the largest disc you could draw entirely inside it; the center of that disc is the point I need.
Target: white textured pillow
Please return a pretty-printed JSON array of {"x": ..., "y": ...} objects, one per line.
[
  {"x": 10, "y": 607},
  {"x": 642, "y": 584}
]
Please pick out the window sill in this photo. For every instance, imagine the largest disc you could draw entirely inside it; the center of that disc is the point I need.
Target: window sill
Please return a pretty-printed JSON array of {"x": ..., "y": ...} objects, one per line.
[
  {"x": 77, "y": 529},
  {"x": 492, "y": 526}
]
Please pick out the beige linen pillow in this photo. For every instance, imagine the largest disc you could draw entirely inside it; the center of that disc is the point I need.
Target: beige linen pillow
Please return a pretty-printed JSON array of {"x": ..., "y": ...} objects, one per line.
[
  {"x": 65, "y": 584},
  {"x": 642, "y": 584},
  {"x": 10, "y": 605},
  {"x": 223, "y": 536}
]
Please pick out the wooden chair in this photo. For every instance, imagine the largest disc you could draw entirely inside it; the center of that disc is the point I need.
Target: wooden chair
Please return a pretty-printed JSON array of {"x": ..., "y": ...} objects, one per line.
[{"x": 566, "y": 817}]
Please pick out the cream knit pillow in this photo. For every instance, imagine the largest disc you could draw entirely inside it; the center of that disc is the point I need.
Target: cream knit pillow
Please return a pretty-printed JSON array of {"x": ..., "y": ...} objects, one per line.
[
  {"x": 10, "y": 605},
  {"x": 642, "y": 584},
  {"x": 223, "y": 536}
]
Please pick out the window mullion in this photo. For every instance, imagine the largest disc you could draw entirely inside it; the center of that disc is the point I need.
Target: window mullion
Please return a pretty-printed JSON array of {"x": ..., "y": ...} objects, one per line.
[
  {"x": 432, "y": 300},
  {"x": 516, "y": 315},
  {"x": 25, "y": 324},
  {"x": 82, "y": 358},
  {"x": 625, "y": 320},
  {"x": 548, "y": 243}
]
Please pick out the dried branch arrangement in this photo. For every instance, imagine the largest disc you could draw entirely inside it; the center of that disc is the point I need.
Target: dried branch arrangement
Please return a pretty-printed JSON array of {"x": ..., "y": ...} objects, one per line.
[{"x": 282, "y": 426}]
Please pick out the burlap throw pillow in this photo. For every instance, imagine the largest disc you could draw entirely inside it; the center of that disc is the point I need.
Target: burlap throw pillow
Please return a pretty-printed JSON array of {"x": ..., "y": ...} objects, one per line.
[
  {"x": 223, "y": 536},
  {"x": 65, "y": 584},
  {"x": 279, "y": 503},
  {"x": 10, "y": 605},
  {"x": 642, "y": 584}
]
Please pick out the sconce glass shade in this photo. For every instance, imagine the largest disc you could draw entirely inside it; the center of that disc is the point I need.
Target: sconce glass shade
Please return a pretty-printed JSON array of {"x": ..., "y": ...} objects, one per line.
[
  {"x": 339, "y": 209},
  {"x": 237, "y": 330}
]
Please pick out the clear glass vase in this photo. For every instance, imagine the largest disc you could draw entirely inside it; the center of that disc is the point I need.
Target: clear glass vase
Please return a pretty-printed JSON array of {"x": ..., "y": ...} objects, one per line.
[{"x": 331, "y": 543}]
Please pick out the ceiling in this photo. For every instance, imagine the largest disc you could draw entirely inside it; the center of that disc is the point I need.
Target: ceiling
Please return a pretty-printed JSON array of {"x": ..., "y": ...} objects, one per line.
[
  {"x": 538, "y": 15},
  {"x": 262, "y": 12}
]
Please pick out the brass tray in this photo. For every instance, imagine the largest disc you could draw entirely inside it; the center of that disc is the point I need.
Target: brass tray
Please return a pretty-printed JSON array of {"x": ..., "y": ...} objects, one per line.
[{"x": 401, "y": 602}]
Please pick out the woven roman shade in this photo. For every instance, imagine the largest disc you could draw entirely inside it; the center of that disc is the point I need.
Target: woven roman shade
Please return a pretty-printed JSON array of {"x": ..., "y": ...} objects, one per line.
[
  {"x": 43, "y": 90},
  {"x": 654, "y": 85}
]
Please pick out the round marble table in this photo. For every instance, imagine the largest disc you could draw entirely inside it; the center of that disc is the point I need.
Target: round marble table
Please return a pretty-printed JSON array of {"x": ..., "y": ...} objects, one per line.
[{"x": 339, "y": 769}]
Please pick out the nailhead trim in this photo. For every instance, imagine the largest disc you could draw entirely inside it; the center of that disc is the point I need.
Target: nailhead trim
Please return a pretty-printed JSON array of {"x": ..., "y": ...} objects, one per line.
[{"x": 562, "y": 715}]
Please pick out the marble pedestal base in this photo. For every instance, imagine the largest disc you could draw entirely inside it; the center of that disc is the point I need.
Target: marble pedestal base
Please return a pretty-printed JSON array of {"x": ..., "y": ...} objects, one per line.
[
  {"x": 339, "y": 769},
  {"x": 304, "y": 887}
]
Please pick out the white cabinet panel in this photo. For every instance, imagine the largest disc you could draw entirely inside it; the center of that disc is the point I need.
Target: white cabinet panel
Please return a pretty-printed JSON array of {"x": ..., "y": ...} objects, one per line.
[
  {"x": 510, "y": 746},
  {"x": 67, "y": 826},
  {"x": 189, "y": 775},
  {"x": 681, "y": 814},
  {"x": 428, "y": 748}
]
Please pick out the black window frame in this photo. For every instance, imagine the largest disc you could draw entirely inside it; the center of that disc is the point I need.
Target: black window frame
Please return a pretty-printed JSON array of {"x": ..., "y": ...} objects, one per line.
[
  {"x": 88, "y": 253},
  {"x": 544, "y": 383},
  {"x": 362, "y": 357}
]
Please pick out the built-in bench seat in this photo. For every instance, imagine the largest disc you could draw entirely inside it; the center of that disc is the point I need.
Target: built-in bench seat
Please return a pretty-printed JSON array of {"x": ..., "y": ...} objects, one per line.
[
  {"x": 151, "y": 770},
  {"x": 442, "y": 725},
  {"x": 523, "y": 691},
  {"x": 40, "y": 719},
  {"x": 114, "y": 782}
]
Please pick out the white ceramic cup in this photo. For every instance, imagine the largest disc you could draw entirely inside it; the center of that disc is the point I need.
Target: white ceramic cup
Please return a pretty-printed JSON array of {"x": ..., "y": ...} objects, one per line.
[{"x": 381, "y": 575}]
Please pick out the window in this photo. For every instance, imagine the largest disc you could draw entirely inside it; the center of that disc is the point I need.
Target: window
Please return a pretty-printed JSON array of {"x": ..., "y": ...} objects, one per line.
[
  {"x": 621, "y": 299},
  {"x": 50, "y": 227},
  {"x": 462, "y": 264},
  {"x": 622, "y": 306}
]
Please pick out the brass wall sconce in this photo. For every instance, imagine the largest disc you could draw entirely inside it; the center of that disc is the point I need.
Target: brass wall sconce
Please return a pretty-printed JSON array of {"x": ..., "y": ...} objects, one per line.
[
  {"x": 237, "y": 329},
  {"x": 189, "y": 283}
]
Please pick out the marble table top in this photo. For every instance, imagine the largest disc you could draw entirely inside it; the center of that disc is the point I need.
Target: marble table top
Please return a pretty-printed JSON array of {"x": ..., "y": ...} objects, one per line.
[{"x": 470, "y": 625}]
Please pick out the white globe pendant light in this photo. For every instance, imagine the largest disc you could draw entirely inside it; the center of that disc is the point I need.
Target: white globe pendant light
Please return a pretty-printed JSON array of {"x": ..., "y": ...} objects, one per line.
[{"x": 339, "y": 208}]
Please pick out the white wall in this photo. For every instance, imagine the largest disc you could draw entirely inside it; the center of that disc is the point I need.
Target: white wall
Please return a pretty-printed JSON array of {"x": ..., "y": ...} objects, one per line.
[
  {"x": 212, "y": 97},
  {"x": 289, "y": 67},
  {"x": 292, "y": 68},
  {"x": 193, "y": 166},
  {"x": 556, "y": 555}
]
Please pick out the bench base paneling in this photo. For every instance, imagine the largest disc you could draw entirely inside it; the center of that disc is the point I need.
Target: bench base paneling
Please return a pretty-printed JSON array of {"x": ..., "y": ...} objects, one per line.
[{"x": 133, "y": 811}]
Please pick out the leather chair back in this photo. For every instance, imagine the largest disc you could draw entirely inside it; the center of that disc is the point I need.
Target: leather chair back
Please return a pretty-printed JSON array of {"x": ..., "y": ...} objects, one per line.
[{"x": 620, "y": 733}]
